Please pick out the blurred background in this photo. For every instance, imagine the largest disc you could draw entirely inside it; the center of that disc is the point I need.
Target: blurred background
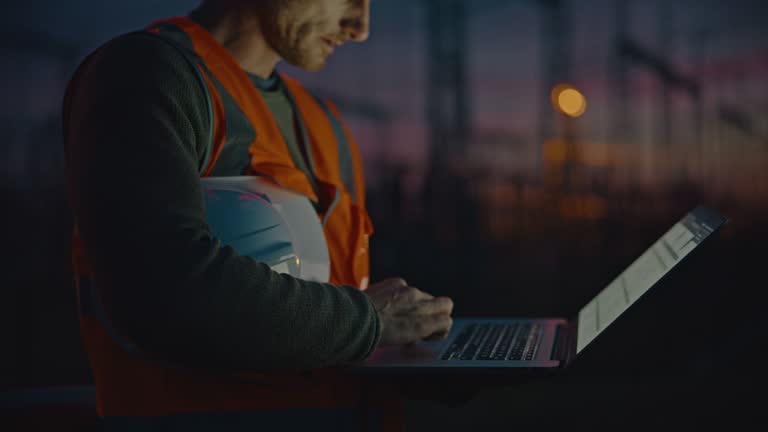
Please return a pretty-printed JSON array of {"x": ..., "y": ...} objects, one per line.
[{"x": 519, "y": 154}]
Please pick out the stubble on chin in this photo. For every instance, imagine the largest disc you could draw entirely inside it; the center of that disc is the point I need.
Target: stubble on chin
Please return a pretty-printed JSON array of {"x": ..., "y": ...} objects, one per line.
[
  {"x": 304, "y": 48},
  {"x": 293, "y": 33}
]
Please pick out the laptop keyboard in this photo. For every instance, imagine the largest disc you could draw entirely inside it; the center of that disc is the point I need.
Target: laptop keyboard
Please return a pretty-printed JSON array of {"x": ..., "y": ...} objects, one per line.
[{"x": 489, "y": 341}]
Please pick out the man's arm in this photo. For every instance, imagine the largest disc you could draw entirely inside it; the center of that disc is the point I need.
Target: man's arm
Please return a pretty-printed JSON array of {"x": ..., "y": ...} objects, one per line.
[{"x": 137, "y": 123}]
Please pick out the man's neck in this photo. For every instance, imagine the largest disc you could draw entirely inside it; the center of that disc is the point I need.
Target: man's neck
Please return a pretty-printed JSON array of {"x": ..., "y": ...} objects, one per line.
[{"x": 241, "y": 36}]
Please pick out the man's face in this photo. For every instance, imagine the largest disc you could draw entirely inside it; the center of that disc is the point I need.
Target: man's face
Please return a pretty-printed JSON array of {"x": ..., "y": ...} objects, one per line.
[{"x": 306, "y": 32}]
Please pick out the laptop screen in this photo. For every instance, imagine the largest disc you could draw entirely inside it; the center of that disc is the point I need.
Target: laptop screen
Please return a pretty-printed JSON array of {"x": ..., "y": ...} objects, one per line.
[{"x": 642, "y": 274}]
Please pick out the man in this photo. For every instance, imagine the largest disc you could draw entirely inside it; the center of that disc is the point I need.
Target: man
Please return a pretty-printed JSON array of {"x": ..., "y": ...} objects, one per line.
[{"x": 179, "y": 329}]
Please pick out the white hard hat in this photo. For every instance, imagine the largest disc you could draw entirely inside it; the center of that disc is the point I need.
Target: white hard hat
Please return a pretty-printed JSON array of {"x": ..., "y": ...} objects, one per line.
[{"x": 267, "y": 223}]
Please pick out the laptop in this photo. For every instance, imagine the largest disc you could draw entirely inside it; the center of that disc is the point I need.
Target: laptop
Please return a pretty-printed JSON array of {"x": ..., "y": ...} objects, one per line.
[{"x": 508, "y": 344}]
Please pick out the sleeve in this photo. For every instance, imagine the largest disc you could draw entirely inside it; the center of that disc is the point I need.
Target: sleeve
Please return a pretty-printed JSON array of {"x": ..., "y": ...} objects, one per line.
[{"x": 136, "y": 123}]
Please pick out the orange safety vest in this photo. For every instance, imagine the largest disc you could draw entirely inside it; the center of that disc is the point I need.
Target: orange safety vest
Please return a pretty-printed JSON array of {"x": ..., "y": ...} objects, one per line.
[{"x": 131, "y": 385}]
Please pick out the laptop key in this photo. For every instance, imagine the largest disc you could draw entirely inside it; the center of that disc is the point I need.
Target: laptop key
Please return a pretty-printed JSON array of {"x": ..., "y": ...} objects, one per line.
[
  {"x": 488, "y": 341},
  {"x": 458, "y": 344}
]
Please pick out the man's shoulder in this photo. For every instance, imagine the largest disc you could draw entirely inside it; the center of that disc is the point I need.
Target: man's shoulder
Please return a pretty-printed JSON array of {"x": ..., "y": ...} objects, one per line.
[
  {"x": 138, "y": 69},
  {"x": 140, "y": 49},
  {"x": 141, "y": 62}
]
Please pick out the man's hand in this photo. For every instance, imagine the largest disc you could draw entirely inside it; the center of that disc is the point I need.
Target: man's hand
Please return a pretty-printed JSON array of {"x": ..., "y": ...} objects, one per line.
[{"x": 409, "y": 315}]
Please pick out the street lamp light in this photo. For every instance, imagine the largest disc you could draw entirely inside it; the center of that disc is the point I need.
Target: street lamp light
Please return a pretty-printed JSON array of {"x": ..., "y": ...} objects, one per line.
[{"x": 568, "y": 100}]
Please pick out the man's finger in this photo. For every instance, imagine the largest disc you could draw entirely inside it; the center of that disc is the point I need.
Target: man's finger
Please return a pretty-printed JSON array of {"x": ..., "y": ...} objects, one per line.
[
  {"x": 434, "y": 306},
  {"x": 437, "y": 336},
  {"x": 435, "y": 324},
  {"x": 391, "y": 283},
  {"x": 411, "y": 295},
  {"x": 399, "y": 282}
]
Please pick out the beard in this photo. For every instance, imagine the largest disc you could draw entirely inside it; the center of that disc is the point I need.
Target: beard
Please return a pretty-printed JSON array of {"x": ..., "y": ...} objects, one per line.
[{"x": 289, "y": 29}]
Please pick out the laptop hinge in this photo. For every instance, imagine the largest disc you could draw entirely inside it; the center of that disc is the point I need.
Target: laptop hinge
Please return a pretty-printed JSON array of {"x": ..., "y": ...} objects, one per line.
[{"x": 565, "y": 340}]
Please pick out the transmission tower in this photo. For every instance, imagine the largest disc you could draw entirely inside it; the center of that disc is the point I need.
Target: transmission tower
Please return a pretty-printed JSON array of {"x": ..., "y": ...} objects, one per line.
[{"x": 447, "y": 93}]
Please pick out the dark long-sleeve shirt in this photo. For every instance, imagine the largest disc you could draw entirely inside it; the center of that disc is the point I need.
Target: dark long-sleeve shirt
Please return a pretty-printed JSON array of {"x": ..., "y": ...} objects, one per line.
[{"x": 136, "y": 125}]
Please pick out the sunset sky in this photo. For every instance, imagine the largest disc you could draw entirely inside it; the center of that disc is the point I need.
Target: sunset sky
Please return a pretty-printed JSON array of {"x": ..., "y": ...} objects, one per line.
[{"x": 723, "y": 45}]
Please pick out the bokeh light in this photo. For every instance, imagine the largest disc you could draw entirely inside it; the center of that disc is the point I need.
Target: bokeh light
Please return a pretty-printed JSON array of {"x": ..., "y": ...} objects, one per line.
[{"x": 568, "y": 100}]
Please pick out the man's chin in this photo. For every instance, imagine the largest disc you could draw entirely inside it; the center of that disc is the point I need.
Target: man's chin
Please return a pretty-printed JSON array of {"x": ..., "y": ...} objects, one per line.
[
  {"x": 308, "y": 64},
  {"x": 312, "y": 66}
]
